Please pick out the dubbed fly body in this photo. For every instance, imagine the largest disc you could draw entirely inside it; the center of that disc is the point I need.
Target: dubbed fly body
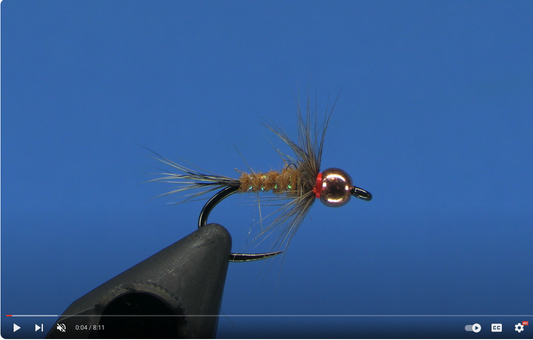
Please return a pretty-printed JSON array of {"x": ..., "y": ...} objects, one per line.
[{"x": 298, "y": 184}]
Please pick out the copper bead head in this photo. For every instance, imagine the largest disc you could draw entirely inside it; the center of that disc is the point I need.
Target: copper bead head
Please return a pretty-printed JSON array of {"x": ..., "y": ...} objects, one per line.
[{"x": 337, "y": 188}]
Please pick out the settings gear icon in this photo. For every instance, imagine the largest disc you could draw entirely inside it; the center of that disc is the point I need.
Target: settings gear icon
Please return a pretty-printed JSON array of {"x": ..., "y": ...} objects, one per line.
[{"x": 519, "y": 327}]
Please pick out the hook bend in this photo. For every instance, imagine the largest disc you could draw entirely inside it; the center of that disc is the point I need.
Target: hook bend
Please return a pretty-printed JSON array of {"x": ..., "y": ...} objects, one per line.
[{"x": 204, "y": 214}]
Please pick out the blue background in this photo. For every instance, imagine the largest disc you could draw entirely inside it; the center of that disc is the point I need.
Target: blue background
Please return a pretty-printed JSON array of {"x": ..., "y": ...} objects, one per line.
[{"x": 435, "y": 119}]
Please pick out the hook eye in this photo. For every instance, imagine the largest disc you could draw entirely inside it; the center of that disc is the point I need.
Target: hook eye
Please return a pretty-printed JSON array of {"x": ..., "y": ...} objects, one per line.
[{"x": 361, "y": 194}]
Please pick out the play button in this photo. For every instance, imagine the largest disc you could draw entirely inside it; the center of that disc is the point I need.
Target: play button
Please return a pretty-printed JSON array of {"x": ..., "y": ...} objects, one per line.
[{"x": 15, "y": 327}]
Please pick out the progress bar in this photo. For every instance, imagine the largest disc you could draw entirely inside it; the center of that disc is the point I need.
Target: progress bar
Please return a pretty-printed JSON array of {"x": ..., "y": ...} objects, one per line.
[
  {"x": 31, "y": 316},
  {"x": 279, "y": 316}
]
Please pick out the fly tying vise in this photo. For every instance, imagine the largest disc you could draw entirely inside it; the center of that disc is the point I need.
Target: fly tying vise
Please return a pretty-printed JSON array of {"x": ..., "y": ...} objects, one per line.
[{"x": 300, "y": 182}]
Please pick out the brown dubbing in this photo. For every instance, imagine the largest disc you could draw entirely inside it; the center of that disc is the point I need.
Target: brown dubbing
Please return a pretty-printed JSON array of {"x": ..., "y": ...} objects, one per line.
[{"x": 287, "y": 181}]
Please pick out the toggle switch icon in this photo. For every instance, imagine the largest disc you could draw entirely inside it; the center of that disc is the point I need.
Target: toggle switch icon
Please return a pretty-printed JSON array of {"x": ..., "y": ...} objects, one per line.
[{"x": 476, "y": 328}]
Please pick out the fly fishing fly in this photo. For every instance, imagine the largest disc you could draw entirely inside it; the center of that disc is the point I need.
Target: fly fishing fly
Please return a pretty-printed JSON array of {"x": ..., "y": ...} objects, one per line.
[{"x": 298, "y": 184}]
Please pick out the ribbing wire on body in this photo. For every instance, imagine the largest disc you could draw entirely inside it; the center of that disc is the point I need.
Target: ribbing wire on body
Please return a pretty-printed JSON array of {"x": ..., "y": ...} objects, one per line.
[{"x": 286, "y": 181}]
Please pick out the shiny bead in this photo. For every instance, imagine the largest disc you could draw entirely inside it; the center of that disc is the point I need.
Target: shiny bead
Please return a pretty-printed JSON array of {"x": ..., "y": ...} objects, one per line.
[{"x": 336, "y": 187}]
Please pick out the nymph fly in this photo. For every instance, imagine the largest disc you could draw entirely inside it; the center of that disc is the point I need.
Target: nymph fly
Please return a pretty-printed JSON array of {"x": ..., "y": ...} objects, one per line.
[{"x": 297, "y": 184}]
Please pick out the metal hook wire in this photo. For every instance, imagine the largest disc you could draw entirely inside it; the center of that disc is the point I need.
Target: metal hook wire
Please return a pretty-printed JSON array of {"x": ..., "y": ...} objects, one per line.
[
  {"x": 204, "y": 214},
  {"x": 361, "y": 193}
]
